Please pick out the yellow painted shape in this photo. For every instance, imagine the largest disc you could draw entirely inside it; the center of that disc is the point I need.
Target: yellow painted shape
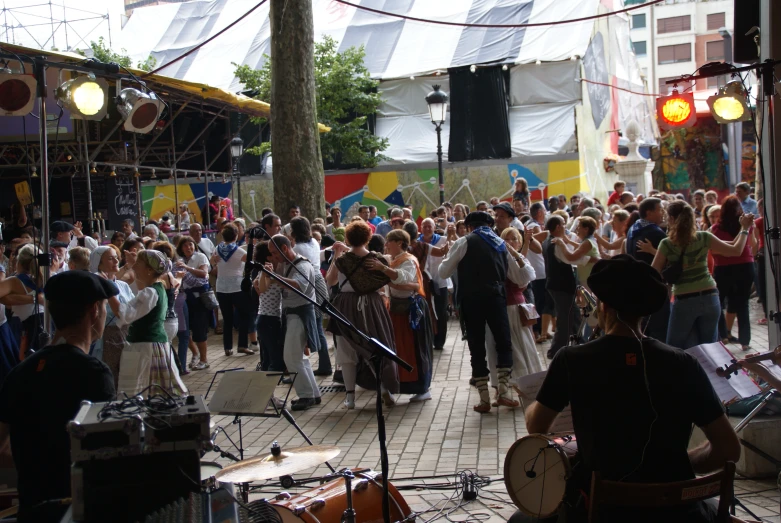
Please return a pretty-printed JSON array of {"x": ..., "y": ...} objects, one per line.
[
  {"x": 565, "y": 178},
  {"x": 382, "y": 184}
]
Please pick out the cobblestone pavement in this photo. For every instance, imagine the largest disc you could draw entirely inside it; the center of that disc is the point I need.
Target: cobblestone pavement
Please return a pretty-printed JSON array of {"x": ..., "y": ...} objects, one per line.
[{"x": 436, "y": 437}]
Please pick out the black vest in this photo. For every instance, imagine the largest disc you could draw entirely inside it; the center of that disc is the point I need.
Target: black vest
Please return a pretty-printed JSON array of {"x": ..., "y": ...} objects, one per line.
[
  {"x": 559, "y": 275},
  {"x": 482, "y": 269}
]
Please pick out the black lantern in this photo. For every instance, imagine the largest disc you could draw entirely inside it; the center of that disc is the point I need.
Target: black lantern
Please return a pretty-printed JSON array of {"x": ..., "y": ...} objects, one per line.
[{"x": 437, "y": 108}]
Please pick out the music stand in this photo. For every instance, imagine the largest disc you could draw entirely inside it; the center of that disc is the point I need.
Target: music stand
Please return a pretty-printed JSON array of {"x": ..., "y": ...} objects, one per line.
[{"x": 250, "y": 394}]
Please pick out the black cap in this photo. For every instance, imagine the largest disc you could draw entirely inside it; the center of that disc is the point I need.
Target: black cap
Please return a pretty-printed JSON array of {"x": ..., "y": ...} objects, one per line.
[
  {"x": 506, "y": 207},
  {"x": 60, "y": 226},
  {"x": 609, "y": 280},
  {"x": 478, "y": 218},
  {"x": 79, "y": 287},
  {"x": 57, "y": 245}
]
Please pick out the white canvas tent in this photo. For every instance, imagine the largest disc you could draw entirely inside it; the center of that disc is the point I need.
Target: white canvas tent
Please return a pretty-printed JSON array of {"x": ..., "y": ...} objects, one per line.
[{"x": 406, "y": 55}]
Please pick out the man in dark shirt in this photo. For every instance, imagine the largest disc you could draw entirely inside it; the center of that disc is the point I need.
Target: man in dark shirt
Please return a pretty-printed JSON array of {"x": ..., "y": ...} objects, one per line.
[
  {"x": 43, "y": 393},
  {"x": 648, "y": 231},
  {"x": 634, "y": 399}
]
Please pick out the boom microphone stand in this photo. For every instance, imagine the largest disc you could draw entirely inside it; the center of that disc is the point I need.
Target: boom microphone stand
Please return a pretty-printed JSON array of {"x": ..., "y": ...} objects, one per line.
[{"x": 380, "y": 354}]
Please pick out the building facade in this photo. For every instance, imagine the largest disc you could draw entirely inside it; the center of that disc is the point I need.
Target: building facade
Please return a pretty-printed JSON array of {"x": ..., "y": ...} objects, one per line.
[{"x": 679, "y": 36}]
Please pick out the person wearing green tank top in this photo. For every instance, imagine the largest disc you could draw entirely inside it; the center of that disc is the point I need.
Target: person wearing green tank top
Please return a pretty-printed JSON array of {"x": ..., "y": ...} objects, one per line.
[{"x": 147, "y": 360}]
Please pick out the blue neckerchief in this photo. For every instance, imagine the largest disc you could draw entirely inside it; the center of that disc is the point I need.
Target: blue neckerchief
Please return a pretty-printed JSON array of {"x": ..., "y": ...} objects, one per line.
[
  {"x": 28, "y": 282},
  {"x": 226, "y": 250},
  {"x": 434, "y": 239},
  {"x": 490, "y": 238}
]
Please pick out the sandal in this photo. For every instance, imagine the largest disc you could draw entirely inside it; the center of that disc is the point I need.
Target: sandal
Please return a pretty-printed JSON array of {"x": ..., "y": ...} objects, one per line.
[{"x": 762, "y": 321}]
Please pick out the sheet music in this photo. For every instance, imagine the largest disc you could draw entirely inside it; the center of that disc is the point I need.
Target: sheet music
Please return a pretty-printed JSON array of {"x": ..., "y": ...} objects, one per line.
[
  {"x": 530, "y": 385},
  {"x": 714, "y": 355},
  {"x": 243, "y": 392}
]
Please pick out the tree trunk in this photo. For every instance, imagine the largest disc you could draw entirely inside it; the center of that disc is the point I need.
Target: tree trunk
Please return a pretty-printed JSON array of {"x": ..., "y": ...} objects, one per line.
[{"x": 298, "y": 167}]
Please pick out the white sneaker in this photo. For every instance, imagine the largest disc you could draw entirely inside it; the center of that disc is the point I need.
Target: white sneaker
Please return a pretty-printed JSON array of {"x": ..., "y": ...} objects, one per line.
[
  {"x": 201, "y": 365},
  {"x": 194, "y": 361},
  {"x": 277, "y": 402},
  {"x": 349, "y": 401},
  {"x": 421, "y": 397},
  {"x": 388, "y": 399}
]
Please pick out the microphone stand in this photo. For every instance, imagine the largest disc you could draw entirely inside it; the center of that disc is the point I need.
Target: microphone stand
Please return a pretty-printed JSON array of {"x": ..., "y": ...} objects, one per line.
[{"x": 380, "y": 352}]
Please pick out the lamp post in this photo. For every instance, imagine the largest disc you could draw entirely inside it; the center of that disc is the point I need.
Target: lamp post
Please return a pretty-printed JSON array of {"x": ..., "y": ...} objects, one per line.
[
  {"x": 237, "y": 149},
  {"x": 437, "y": 108}
]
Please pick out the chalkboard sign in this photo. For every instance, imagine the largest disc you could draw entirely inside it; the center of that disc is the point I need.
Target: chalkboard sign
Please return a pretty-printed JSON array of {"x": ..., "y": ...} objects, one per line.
[
  {"x": 80, "y": 197},
  {"x": 596, "y": 70},
  {"x": 122, "y": 201}
]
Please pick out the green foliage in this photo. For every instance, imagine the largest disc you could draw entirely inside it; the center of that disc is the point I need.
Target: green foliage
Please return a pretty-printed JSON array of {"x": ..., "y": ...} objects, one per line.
[
  {"x": 100, "y": 51},
  {"x": 345, "y": 95}
]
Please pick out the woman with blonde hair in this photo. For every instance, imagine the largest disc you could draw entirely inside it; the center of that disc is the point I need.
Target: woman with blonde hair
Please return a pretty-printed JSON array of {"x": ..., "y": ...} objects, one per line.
[
  {"x": 29, "y": 281},
  {"x": 619, "y": 225},
  {"x": 409, "y": 315},
  {"x": 694, "y": 315},
  {"x": 526, "y": 360}
]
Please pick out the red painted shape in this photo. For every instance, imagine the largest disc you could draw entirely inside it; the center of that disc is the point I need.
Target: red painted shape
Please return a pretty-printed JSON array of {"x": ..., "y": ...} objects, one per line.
[{"x": 339, "y": 185}]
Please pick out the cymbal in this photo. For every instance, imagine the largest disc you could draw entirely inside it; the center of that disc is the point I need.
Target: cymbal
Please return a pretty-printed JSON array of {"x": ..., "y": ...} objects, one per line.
[{"x": 267, "y": 466}]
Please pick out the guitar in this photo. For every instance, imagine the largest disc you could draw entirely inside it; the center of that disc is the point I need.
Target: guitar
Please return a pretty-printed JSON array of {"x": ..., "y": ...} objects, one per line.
[{"x": 728, "y": 370}]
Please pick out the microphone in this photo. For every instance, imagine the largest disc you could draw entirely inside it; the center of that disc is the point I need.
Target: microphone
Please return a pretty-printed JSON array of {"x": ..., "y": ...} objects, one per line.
[{"x": 531, "y": 474}]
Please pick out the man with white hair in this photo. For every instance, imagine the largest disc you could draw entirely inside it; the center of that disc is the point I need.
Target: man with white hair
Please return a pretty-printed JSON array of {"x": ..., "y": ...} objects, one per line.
[{"x": 204, "y": 244}]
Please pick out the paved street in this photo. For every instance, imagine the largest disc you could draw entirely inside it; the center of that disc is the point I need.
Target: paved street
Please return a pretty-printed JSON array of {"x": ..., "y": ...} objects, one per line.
[{"x": 436, "y": 437}]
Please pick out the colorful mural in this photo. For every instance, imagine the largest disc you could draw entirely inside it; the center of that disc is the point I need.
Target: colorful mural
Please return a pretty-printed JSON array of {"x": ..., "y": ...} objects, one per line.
[
  {"x": 160, "y": 199},
  {"x": 691, "y": 158}
]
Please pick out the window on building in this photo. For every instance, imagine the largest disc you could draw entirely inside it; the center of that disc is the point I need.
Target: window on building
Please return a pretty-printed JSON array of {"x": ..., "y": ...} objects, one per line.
[
  {"x": 714, "y": 50},
  {"x": 674, "y": 24},
  {"x": 640, "y": 48},
  {"x": 670, "y": 54},
  {"x": 716, "y": 21},
  {"x": 638, "y": 21},
  {"x": 665, "y": 88}
]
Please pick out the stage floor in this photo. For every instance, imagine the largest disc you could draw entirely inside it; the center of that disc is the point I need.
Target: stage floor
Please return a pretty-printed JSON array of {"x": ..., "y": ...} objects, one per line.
[{"x": 440, "y": 436}]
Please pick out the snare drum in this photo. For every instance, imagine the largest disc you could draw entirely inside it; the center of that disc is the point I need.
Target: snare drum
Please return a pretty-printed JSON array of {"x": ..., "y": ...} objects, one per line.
[
  {"x": 328, "y": 502},
  {"x": 536, "y": 471}
]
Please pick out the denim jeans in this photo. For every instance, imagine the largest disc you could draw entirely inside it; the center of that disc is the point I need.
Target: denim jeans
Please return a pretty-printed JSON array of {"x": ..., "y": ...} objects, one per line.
[
  {"x": 229, "y": 300},
  {"x": 694, "y": 321}
]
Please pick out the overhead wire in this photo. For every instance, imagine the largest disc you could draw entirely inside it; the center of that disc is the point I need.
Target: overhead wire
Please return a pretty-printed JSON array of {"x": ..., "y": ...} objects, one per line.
[{"x": 498, "y": 26}]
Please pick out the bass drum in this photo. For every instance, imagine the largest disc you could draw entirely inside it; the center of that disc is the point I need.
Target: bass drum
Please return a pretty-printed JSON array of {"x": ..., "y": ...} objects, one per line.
[
  {"x": 536, "y": 471},
  {"x": 327, "y": 503}
]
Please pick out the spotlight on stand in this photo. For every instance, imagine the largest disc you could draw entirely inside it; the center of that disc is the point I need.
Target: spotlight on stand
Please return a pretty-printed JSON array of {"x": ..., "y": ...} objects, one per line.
[
  {"x": 17, "y": 93},
  {"x": 729, "y": 105},
  {"x": 140, "y": 110},
  {"x": 675, "y": 111},
  {"x": 86, "y": 97}
]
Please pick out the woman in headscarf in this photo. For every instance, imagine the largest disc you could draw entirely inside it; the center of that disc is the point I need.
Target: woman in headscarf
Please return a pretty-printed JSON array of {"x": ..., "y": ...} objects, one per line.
[
  {"x": 359, "y": 300},
  {"x": 409, "y": 315},
  {"x": 105, "y": 263},
  {"x": 147, "y": 361}
]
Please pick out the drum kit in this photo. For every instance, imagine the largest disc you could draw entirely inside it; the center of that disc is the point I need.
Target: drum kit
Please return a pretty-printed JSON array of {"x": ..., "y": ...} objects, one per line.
[
  {"x": 537, "y": 472},
  {"x": 351, "y": 496}
]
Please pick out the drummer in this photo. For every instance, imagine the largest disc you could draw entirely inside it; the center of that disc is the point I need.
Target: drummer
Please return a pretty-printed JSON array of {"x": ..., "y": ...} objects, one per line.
[{"x": 634, "y": 400}]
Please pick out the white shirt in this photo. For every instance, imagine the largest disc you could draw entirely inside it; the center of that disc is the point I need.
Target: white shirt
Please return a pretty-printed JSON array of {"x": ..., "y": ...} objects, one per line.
[
  {"x": 457, "y": 252},
  {"x": 206, "y": 246},
  {"x": 138, "y": 307},
  {"x": 310, "y": 251},
  {"x": 231, "y": 272},
  {"x": 433, "y": 262},
  {"x": 305, "y": 280},
  {"x": 407, "y": 272},
  {"x": 89, "y": 242},
  {"x": 536, "y": 260},
  {"x": 196, "y": 261}
]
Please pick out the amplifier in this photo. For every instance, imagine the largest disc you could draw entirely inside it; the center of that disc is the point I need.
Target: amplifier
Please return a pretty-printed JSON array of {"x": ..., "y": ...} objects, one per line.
[
  {"x": 92, "y": 438},
  {"x": 185, "y": 428}
]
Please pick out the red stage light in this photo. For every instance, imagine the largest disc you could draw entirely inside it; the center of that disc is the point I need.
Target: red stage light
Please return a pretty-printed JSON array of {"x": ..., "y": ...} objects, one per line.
[
  {"x": 17, "y": 94},
  {"x": 675, "y": 111}
]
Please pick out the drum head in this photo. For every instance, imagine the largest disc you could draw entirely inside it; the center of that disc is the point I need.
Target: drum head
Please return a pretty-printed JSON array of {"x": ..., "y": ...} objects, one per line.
[
  {"x": 535, "y": 474},
  {"x": 209, "y": 469}
]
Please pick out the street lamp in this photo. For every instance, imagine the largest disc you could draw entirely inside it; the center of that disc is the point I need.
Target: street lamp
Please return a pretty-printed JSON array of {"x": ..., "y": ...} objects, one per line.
[
  {"x": 237, "y": 149},
  {"x": 437, "y": 108}
]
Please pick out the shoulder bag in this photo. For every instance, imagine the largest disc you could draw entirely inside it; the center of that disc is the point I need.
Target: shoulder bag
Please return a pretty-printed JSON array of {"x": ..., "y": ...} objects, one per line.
[{"x": 672, "y": 273}]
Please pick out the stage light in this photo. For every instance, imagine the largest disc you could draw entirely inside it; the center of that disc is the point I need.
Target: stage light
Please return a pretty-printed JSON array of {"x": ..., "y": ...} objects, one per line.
[
  {"x": 729, "y": 105},
  {"x": 94, "y": 169},
  {"x": 140, "y": 110},
  {"x": 86, "y": 97},
  {"x": 675, "y": 111},
  {"x": 34, "y": 171},
  {"x": 17, "y": 93},
  {"x": 113, "y": 172}
]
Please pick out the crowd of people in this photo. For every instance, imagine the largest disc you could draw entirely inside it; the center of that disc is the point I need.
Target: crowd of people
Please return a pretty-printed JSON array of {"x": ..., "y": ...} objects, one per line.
[{"x": 399, "y": 279}]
